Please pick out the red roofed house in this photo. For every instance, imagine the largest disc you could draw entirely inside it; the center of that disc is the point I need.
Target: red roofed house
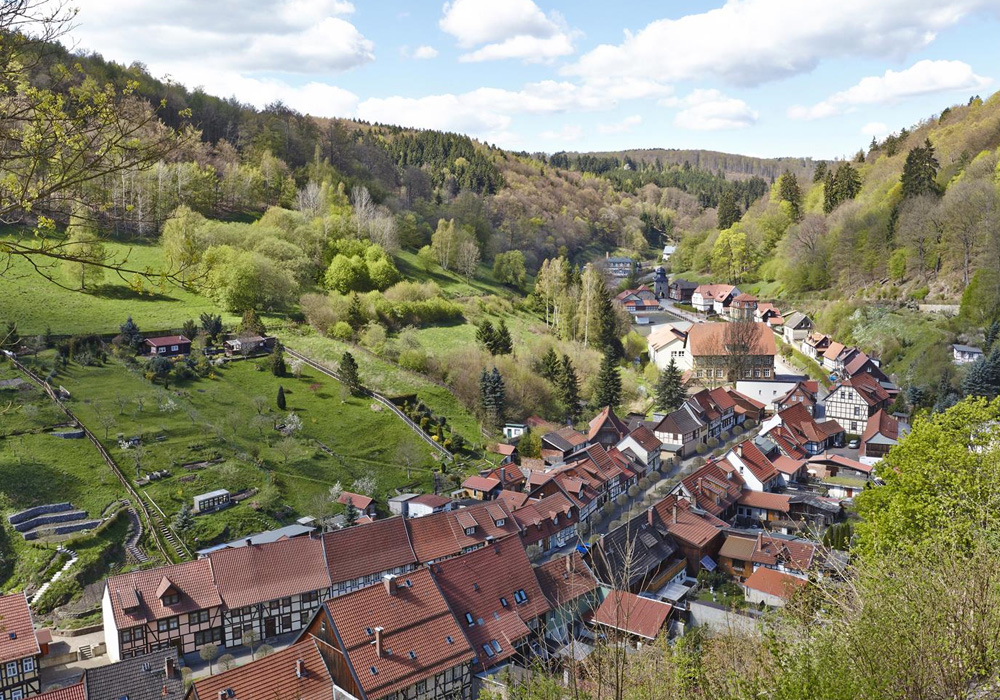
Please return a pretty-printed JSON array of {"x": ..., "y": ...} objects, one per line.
[
  {"x": 803, "y": 392},
  {"x": 364, "y": 504},
  {"x": 557, "y": 445},
  {"x": 760, "y": 508},
  {"x": 771, "y": 587},
  {"x": 297, "y": 671},
  {"x": 713, "y": 297},
  {"x": 547, "y": 523},
  {"x": 712, "y": 489},
  {"x": 881, "y": 433},
  {"x": 168, "y": 345},
  {"x": 813, "y": 437},
  {"x": 270, "y": 589},
  {"x": 481, "y": 488},
  {"x": 843, "y": 477},
  {"x": 745, "y": 408},
  {"x": 851, "y": 402},
  {"x": 358, "y": 557},
  {"x": 606, "y": 428},
  {"x": 495, "y": 596},
  {"x": 755, "y": 470},
  {"x": 638, "y": 300},
  {"x": 697, "y": 534},
  {"x": 711, "y": 358},
  {"x": 632, "y": 617},
  {"x": 571, "y": 590},
  {"x": 397, "y": 640},
  {"x": 717, "y": 409},
  {"x": 20, "y": 654},
  {"x": 744, "y": 551},
  {"x": 815, "y": 345},
  {"x": 450, "y": 533},
  {"x": 743, "y": 307},
  {"x": 644, "y": 446}
]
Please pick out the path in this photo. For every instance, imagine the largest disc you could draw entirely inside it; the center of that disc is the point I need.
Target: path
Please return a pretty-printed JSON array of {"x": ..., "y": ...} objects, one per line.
[
  {"x": 378, "y": 397},
  {"x": 73, "y": 557}
]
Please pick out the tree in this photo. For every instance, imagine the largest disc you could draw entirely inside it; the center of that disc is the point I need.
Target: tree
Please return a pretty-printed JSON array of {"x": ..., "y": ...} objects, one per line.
[
  {"x": 991, "y": 334},
  {"x": 492, "y": 397},
  {"x": 468, "y": 258},
  {"x": 504, "y": 344},
  {"x": 355, "y": 317},
  {"x": 184, "y": 519},
  {"x": 608, "y": 391},
  {"x": 189, "y": 329},
  {"x": 427, "y": 258},
  {"x": 131, "y": 335},
  {"x": 227, "y": 662},
  {"x": 819, "y": 174},
  {"x": 729, "y": 212},
  {"x": 569, "y": 390},
  {"x": 550, "y": 367},
  {"x": 508, "y": 268},
  {"x": 249, "y": 638},
  {"x": 88, "y": 258},
  {"x": 211, "y": 324},
  {"x": 349, "y": 374},
  {"x": 281, "y": 398},
  {"x": 789, "y": 191},
  {"x": 276, "y": 361},
  {"x": 160, "y": 368},
  {"x": 350, "y": 513},
  {"x": 740, "y": 340},
  {"x": 251, "y": 324},
  {"x": 591, "y": 285},
  {"x": 670, "y": 391},
  {"x": 983, "y": 376},
  {"x": 920, "y": 171},
  {"x": 208, "y": 653},
  {"x": 607, "y": 339},
  {"x": 486, "y": 335}
]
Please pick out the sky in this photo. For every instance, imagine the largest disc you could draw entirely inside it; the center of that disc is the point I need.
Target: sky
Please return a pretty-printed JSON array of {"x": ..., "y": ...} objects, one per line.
[{"x": 759, "y": 77}]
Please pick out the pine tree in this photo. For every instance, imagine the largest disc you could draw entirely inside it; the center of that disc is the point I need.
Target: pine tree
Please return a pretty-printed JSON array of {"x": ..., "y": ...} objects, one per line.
[
  {"x": 349, "y": 374},
  {"x": 504, "y": 344},
  {"x": 355, "y": 317},
  {"x": 486, "y": 336},
  {"x": 569, "y": 389},
  {"x": 789, "y": 191},
  {"x": 190, "y": 329},
  {"x": 550, "y": 365},
  {"x": 729, "y": 212},
  {"x": 277, "y": 361},
  {"x": 131, "y": 335},
  {"x": 251, "y": 324},
  {"x": 819, "y": 174},
  {"x": 992, "y": 333},
  {"x": 978, "y": 380},
  {"x": 846, "y": 183},
  {"x": 492, "y": 397},
  {"x": 670, "y": 392},
  {"x": 920, "y": 171},
  {"x": 829, "y": 193},
  {"x": 350, "y": 514},
  {"x": 211, "y": 324},
  {"x": 609, "y": 384},
  {"x": 606, "y": 338},
  {"x": 281, "y": 398}
]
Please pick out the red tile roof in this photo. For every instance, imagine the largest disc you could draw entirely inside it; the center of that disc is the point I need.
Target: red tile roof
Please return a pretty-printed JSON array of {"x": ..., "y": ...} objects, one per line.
[
  {"x": 712, "y": 488},
  {"x": 803, "y": 427},
  {"x": 136, "y": 590},
  {"x": 442, "y": 535},
  {"x": 834, "y": 351},
  {"x": 431, "y": 500},
  {"x": 503, "y": 448},
  {"x": 787, "y": 465},
  {"x": 708, "y": 339},
  {"x": 646, "y": 439},
  {"x": 793, "y": 554},
  {"x": 478, "y": 583},
  {"x": 607, "y": 419},
  {"x": 537, "y": 518},
  {"x": 685, "y": 525},
  {"x": 564, "y": 579},
  {"x": 77, "y": 691},
  {"x": 15, "y": 619},
  {"x": 630, "y": 613},
  {"x": 353, "y": 553},
  {"x": 881, "y": 423},
  {"x": 167, "y": 340},
  {"x": 512, "y": 499},
  {"x": 766, "y": 501},
  {"x": 787, "y": 442},
  {"x": 742, "y": 399},
  {"x": 773, "y": 582},
  {"x": 480, "y": 483},
  {"x": 759, "y": 465},
  {"x": 358, "y": 500},
  {"x": 273, "y": 676},
  {"x": 263, "y": 572},
  {"x": 414, "y": 617}
]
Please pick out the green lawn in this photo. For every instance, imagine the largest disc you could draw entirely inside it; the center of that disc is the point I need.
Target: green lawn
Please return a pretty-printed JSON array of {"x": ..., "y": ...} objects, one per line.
[{"x": 451, "y": 283}]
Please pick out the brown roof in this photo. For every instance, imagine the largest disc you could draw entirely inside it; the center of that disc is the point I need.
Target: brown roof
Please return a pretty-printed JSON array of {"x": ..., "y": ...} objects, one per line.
[
  {"x": 70, "y": 692},
  {"x": 263, "y": 572},
  {"x": 512, "y": 499},
  {"x": 716, "y": 292},
  {"x": 787, "y": 465},
  {"x": 760, "y": 466},
  {"x": 443, "y": 535},
  {"x": 630, "y": 613},
  {"x": 833, "y": 352},
  {"x": 766, "y": 501},
  {"x": 794, "y": 554},
  {"x": 773, "y": 582},
  {"x": 708, "y": 339},
  {"x": 881, "y": 423},
  {"x": 867, "y": 387},
  {"x": 607, "y": 419},
  {"x": 503, "y": 448},
  {"x": 713, "y": 488},
  {"x": 416, "y": 627},
  {"x": 477, "y": 584},
  {"x": 167, "y": 340},
  {"x": 564, "y": 579},
  {"x": 480, "y": 483},
  {"x": 136, "y": 590},
  {"x": 689, "y": 527},
  {"x": 431, "y": 500},
  {"x": 856, "y": 363},
  {"x": 644, "y": 436},
  {"x": 358, "y": 500},
  {"x": 738, "y": 547},
  {"x": 743, "y": 296},
  {"x": 744, "y": 400},
  {"x": 841, "y": 462},
  {"x": 17, "y": 628},
  {"x": 355, "y": 552},
  {"x": 273, "y": 676},
  {"x": 804, "y": 428},
  {"x": 537, "y": 518}
]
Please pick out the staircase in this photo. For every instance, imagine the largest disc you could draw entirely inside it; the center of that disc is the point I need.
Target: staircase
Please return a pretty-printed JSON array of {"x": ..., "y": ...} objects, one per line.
[
  {"x": 45, "y": 586},
  {"x": 85, "y": 652}
]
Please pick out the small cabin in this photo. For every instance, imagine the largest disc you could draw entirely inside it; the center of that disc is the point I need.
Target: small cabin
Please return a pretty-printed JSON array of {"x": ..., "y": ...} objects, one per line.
[
  {"x": 212, "y": 501},
  {"x": 168, "y": 345},
  {"x": 251, "y": 345}
]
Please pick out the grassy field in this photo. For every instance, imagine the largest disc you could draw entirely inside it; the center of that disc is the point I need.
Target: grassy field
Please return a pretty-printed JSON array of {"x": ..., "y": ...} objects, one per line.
[
  {"x": 451, "y": 283},
  {"x": 231, "y": 417}
]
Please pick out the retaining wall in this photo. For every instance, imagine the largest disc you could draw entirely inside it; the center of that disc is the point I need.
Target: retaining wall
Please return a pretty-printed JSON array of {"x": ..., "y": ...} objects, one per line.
[
  {"x": 61, "y": 530},
  {"x": 38, "y": 510}
]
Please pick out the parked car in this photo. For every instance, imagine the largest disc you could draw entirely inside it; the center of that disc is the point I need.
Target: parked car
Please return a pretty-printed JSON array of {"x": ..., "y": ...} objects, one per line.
[{"x": 854, "y": 444}]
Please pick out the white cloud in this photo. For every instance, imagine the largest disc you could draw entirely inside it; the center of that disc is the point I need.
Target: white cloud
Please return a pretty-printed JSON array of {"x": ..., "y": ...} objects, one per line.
[
  {"x": 876, "y": 129},
  {"x": 626, "y": 124},
  {"x": 922, "y": 78},
  {"x": 748, "y": 42},
  {"x": 509, "y": 29},
  {"x": 425, "y": 52},
  {"x": 570, "y": 132},
  {"x": 710, "y": 110}
]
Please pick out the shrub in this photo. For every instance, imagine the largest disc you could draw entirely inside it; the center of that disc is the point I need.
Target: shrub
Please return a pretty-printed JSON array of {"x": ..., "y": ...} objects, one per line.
[
  {"x": 701, "y": 449},
  {"x": 621, "y": 499},
  {"x": 750, "y": 424},
  {"x": 614, "y": 525},
  {"x": 342, "y": 331},
  {"x": 712, "y": 442},
  {"x": 654, "y": 476},
  {"x": 414, "y": 359},
  {"x": 643, "y": 483},
  {"x": 698, "y": 462},
  {"x": 608, "y": 508},
  {"x": 633, "y": 491}
]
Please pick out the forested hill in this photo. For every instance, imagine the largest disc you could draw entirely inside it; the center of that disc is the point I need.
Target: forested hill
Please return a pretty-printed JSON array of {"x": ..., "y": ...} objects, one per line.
[{"x": 731, "y": 165}]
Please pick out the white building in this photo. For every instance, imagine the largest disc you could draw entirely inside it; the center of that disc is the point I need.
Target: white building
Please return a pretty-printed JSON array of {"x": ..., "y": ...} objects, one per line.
[{"x": 669, "y": 342}]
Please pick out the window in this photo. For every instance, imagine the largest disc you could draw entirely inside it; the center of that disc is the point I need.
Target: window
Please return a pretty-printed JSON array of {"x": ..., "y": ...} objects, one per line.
[
  {"x": 198, "y": 617},
  {"x": 489, "y": 650},
  {"x": 501, "y": 522},
  {"x": 126, "y": 636},
  {"x": 16, "y": 694},
  {"x": 173, "y": 348},
  {"x": 470, "y": 531},
  {"x": 857, "y": 410},
  {"x": 496, "y": 645},
  {"x": 469, "y": 619},
  {"x": 520, "y": 596},
  {"x": 213, "y": 636},
  {"x": 767, "y": 372},
  {"x": 28, "y": 664},
  {"x": 11, "y": 669},
  {"x": 854, "y": 426},
  {"x": 162, "y": 350},
  {"x": 169, "y": 599},
  {"x": 170, "y": 623}
]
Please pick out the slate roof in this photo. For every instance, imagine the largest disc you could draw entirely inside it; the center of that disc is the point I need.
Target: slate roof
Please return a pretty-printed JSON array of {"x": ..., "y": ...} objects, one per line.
[
  {"x": 708, "y": 339},
  {"x": 564, "y": 579},
  {"x": 633, "y": 614},
  {"x": 414, "y": 617},
  {"x": 143, "y": 677},
  {"x": 636, "y": 548},
  {"x": 273, "y": 676},
  {"x": 357, "y": 552},
  {"x": 193, "y": 580},
  {"x": 15, "y": 620},
  {"x": 683, "y": 420},
  {"x": 265, "y": 572},
  {"x": 795, "y": 318},
  {"x": 565, "y": 439},
  {"x": 773, "y": 582},
  {"x": 442, "y": 535},
  {"x": 478, "y": 583}
]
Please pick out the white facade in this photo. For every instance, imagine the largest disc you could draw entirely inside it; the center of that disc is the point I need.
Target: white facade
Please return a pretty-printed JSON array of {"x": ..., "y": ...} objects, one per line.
[{"x": 766, "y": 392}]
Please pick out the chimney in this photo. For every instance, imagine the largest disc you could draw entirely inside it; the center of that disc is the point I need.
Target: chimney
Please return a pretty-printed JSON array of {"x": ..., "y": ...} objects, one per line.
[
  {"x": 378, "y": 642},
  {"x": 503, "y": 476},
  {"x": 168, "y": 667},
  {"x": 388, "y": 582},
  {"x": 300, "y": 668},
  {"x": 569, "y": 563},
  {"x": 249, "y": 542},
  {"x": 222, "y": 695},
  {"x": 649, "y": 516},
  {"x": 739, "y": 450},
  {"x": 674, "y": 516}
]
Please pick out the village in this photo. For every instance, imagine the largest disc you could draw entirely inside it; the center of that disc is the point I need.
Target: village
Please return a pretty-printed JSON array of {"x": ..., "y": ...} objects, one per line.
[{"x": 633, "y": 529}]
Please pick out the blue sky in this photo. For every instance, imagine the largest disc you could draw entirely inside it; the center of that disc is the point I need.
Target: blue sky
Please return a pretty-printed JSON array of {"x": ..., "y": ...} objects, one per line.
[{"x": 759, "y": 77}]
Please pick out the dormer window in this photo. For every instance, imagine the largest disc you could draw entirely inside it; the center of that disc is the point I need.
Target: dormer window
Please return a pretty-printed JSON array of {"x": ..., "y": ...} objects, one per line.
[
  {"x": 503, "y": 602},
  {"x": 501, "y": 522},
  {"x": 171, "y": 598},
  {"x": 470, "y": 531}
]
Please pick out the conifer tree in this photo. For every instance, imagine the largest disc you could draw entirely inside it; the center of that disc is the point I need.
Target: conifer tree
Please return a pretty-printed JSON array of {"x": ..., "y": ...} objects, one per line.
[
  {"x": 569, "y": 389},
  {"x": 251, "y": 324},
  {"x": 729, "y": 212},
  {"x": 277, "y": 361},
  {"x": 670, "y": 392},
  {"x": 609, "y": 384},
  {"x": 789, "y": 191},
  {"x": 350, "y": 514},
  {"x": 550, "y": 365},
  {"x": 920, "y": 171},
  {"x": 349, "y": 374},
  {"x": 281, "y": 398},
  {"x": 606, "y": 338},
  {"x": 211, "y": 324},
  {"x": 492, "y": 397},
  {"x": 486, "y": 336},
  {"x": 355, "y": 317},
  {"x": 131, "y": 335},
  {"x": 503, "y": 343},
  {"x": 819, "y": 174},
  {"x": 992, "y": 333},
  {"x": 829, "y": 193}
]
